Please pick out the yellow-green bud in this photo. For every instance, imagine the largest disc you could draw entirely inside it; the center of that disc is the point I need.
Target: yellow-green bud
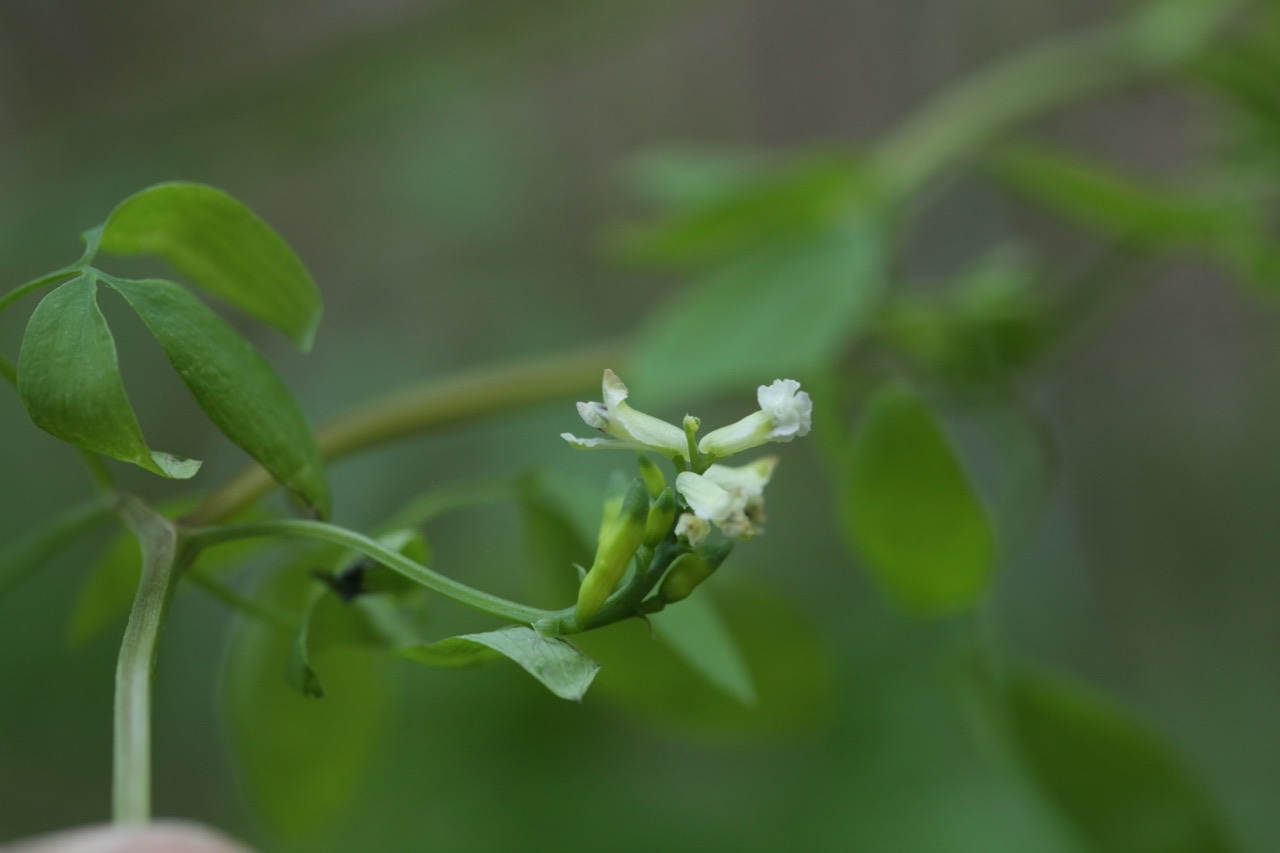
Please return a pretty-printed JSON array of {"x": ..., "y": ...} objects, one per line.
[
  {"x": 691, "y": 569},
  {"x": 652, "y": 475},
  {"x": 618, "y": 543},
  {"x": 662, "y": 515}
]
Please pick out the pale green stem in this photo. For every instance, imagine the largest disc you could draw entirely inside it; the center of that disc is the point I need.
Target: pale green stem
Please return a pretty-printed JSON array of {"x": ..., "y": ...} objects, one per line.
[
  {"x": 131, "y": 780},
  {"x": 966, "y": 117},
  {"x": 448, "y": 587},
  {"x": 36, "y": 283}
]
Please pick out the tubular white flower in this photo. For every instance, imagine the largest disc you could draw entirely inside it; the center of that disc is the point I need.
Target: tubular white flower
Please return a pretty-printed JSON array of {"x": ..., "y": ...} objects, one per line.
[
  {"x": 629, "y": 428},
  {"x": 785, "y": 413},
  {"x": 730, "y": 498}
]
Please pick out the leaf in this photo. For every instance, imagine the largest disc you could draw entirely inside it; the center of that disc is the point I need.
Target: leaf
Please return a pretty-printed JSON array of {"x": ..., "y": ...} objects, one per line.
[
  {"x": 695, "y": 630},
  {"x": 69, "y": 380},
  {"x": 24, "y": 555},
  {"x": 564, "y": 670},
  {"x": 726, "y": 211},
  {"x": 302, "y": 759},
  {"x": 684, "y": 179},
  {"x": 790, "y": 665},
  {"x": 222, "y": 246},
  {"x": 1114, "y": 205},
  {"x": 910, "y": 511},
  {"x": 234, "y": 385},
  {"x": 775, "y": 312},
  {"x": 1114, "y": 778}
]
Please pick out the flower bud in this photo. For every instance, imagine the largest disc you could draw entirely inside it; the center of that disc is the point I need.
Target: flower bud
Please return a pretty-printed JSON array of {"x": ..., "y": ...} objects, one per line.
[
  {"x": 619, "y": 540},
  {"x": 662, "y": 515},
  {"x": 691, "y": 569},
  {"x": 652, "y": 475}
]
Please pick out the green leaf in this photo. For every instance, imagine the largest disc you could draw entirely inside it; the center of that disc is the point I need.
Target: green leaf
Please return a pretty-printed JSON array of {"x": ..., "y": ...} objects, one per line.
[
  {"x": 563, "y": 669},
  {"x": 234, "y": 385},
  {"x": 776, "y": 312},
  {"x": 69, "y": 380},
  {"x": 302, "y": 759},
  {"x": 684, "y": 179},
  {"x": 790, "y": 667},
  {"x": 1114, "y": 205},
  {"x": 695, "y": 630},
  {"x": 24, "y": 555},
  {"x": 1113, "y": 777},
  {"x": 910, "y": 511},
  {"x": 726, "y": 211},
  {"x": 222, "y": 246}
]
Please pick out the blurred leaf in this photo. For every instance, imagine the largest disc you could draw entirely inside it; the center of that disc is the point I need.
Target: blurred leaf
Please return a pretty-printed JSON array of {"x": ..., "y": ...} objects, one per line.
[
  {"x": 695, "y": 630},
  {"x": 24, "y": 555},
  {"x": 1231, "y": 227},
  {"x": 1113, "y": 777},
  {"x": 788, "y": 663},
  {"x": 723, "y": 216},
  {"x": 234, "y": 385},
  {"x": 222, "y": 246},
  {"x": 1112, "y": 204},
  {"x": 69, "y": 380},
  {"x": 107, "y": 592},
  {"x": 910, "y": 511},
  {"x": 688, "y": 178},
  {"x": 990, "y": 323},
  {"x": 775, "y": 312},
  {"x": 1168, "y": 32},
  {"x": 302, "y": 759},
  {"x": 563, "y": 669}
]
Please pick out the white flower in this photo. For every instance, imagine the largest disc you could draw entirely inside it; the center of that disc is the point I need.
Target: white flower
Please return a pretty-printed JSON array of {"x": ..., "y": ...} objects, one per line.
[
  {"x": 785, "y": 413},
  {"x": 629, "y": 428},
  {"x": 730, "y": 498},
  {"x": 692, "y": 528}
]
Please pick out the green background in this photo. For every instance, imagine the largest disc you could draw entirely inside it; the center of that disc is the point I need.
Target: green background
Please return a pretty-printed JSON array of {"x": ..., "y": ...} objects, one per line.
[{"x": 450, "y": 173}]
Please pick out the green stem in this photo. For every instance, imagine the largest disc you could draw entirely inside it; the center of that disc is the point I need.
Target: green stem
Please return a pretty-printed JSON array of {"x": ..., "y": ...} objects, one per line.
[
  {"x": 36, "y": 283},
  {"x": 131, "y": 786},
  {"x": 432, "y": 406},
  {"x": 968, "y": 116},
  {"x": 298, "y": 529}
]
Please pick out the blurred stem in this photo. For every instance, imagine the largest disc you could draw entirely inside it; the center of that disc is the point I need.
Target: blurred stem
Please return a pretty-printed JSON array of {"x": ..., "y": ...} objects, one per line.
[
  {"x": 131, "y": 780},
  {"x": 411, "y": 569},
  {"x": 435, "y": 405},
  {"x": 968, "y": 116}
]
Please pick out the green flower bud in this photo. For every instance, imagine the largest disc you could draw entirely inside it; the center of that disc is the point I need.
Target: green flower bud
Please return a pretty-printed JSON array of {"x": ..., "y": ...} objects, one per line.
[
  {"x": 662, "y": 515},
  {"x": 652, "y": 475},
  {"x": 618, "y": 543},
  {"x": 691, "y": 569}
]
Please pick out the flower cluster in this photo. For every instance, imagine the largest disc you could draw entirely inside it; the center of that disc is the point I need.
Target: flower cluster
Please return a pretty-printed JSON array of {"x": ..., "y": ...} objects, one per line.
[{"x": 730, "y": 498}]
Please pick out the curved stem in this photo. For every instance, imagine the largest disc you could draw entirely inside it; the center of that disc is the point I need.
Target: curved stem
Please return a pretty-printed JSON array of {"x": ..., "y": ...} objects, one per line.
[
  {"x": 131, "y": 779},
  {"x": 435, "y": 405},
  {"x": 298, "y": 529},
  {"x": 990, "y": 103}
]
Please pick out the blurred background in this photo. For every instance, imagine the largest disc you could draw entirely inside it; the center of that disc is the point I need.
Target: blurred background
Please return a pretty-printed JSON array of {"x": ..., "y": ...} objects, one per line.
[{"x": 451, "y": 173}]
